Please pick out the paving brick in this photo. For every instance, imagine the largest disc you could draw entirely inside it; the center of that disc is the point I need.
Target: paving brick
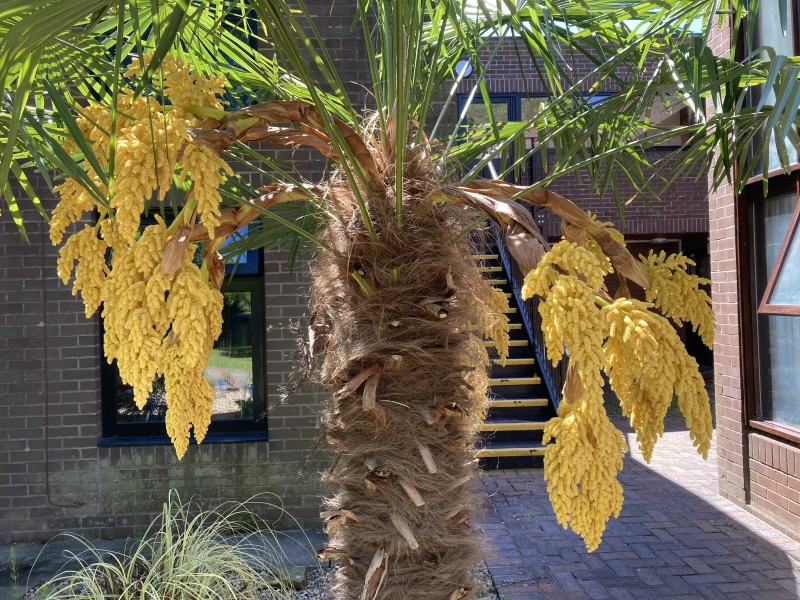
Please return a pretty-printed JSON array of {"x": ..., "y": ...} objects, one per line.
[{"x": 712, "y": 549}]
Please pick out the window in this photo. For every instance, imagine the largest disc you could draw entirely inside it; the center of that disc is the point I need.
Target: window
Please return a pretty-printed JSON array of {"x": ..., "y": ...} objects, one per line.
[
  {"x": 505, "y": 108},
  {"x": 769, "y": 265},
  {"x": 509, "y": 108},
  {"x": 769, "y": 31},
  {"x": 776, "y": 270},
  {"x": 236, "y": 371}
]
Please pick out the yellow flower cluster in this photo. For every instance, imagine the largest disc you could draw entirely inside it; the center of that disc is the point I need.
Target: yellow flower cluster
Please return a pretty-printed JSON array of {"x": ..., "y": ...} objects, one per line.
[
  {"x": 569, "y": 314},
  {"x": 581, "y": 466},
  {"x": 609, "y": 229},
  {"x": 182, "y": 85},
  {"x": 154, "y": 325},
  {"x": 570, "y": 258},
  {"x": 474, "y": 352},
  {"x": 678, "y": 295},
  {"x": 134, "y": 321},
  {"x": 90, "y": 252},
  {"x": 148, "y": 139},
  {"x": 646, "y": 362},
  {"x": 94, "y": 123},
  {"x": 594, "y": 247},
  {"x": 147, "y": 149},
  {"x": 476, "y": 348},
  {"x": 693, "y": 403},
  {"x": 163, "y": 326},
  {"x": 74, "y": 201},
  {"x": 493, "y": 321},
  {"x": 496, "y": 325},
  {"x": 202, "y": 166},
  {"x": 195, "y": 310}
]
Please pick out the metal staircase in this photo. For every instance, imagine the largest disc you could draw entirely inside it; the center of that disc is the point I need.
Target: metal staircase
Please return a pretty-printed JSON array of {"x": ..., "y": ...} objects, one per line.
[{"x": 520, "y": 403}]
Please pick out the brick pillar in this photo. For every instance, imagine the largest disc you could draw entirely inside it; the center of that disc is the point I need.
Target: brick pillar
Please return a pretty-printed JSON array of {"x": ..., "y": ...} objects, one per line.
[{"x": 731, "y": 444}]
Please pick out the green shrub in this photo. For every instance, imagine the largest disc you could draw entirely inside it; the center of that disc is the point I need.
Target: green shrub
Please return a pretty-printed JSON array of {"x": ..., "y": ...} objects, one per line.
[{"x": 186, "y": 554}]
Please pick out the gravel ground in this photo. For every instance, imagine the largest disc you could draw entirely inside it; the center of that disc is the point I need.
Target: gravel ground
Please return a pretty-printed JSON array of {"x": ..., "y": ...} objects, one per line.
[
  {"x": 319, "y": 584},
  {"x": 485, "y": 589}
]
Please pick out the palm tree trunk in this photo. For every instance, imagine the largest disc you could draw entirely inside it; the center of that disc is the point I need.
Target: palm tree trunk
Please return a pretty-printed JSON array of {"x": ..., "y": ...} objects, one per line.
[{"x": 410, "y": 393}]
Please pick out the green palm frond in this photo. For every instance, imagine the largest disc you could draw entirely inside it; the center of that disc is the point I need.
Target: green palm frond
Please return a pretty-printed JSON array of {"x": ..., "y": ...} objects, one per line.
[{"x": 53, "y": 58}]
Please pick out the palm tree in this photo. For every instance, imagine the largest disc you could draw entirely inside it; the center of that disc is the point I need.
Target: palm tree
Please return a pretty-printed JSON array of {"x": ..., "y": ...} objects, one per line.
[{"x": 396, "y": 296}]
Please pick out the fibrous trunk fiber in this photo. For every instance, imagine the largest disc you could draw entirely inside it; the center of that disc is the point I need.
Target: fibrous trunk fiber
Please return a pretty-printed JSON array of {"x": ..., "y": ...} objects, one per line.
[{"x": 409, "y": 382}]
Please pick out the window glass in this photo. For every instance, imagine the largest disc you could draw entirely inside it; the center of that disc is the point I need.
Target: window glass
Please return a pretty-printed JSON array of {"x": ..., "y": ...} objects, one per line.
[
  {"x": 229, "y": 372},
  {"x": 240, "y": 263},
  {"x": 778, "y": 335},
  {"x": 787, "y": 282},
  {"x": 779, "y": 355},
  {"x": 230, "y": 366},
  {"x": 772, "y": 218},
  {"x": 478, "y": 115},
  {"x": 236, "y": 369},
  {"x": 529, "y": 107},
  {"x": 769, "y": 32}
]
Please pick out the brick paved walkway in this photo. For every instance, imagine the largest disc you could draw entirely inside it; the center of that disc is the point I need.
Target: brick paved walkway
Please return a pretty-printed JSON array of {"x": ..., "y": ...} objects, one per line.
[{"x": 675, "y": 538}]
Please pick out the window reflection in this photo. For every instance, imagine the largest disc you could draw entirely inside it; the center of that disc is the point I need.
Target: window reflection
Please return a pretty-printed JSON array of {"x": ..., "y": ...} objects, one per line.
[
  {"x": 230, "y": 367},
  {"x": 478, "y": 115},
  {"x": 787, "y": 284},
  {"x": 778, "y": 335},
  {"x": 229, "y": 371}
]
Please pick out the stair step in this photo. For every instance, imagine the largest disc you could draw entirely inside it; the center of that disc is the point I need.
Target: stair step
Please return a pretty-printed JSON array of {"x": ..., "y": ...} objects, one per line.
[
  {"x": 486, "y": 256},
  {"x": 496, "y": 281},
  {"x": 536, "y": 380},
  {"x": 490, "y": 269},
  {"x": 513, "y": 425},
  {"x": 510, "y": 311},
  {"x": 509, "y": 449},
  {"x": 515, "y": 362},
  {"x": 522, "y": 403},
  {"x": 511, "y": 343},
  {"x": 511, "y": 327}
]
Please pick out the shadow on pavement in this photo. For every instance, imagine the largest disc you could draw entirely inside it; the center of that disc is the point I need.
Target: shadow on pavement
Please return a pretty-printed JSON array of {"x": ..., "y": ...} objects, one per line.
[{"x": 675, "y": 537}]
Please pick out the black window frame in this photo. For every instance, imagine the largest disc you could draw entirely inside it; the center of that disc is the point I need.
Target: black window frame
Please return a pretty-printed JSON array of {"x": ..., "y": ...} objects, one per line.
[
  {"x": 514, "y": 102},
  {"x": 227, "y": 430},
  {"x": 533, "y": 168}
]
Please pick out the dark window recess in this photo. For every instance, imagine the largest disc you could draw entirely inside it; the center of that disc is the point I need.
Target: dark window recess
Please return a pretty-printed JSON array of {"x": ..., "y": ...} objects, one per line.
[{"x": 236, "y": 372}]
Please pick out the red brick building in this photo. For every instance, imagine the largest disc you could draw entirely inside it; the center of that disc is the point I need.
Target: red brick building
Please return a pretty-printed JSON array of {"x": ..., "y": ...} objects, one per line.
[
  {"x": 755, "y": 263},
  {"x": 678, "y": 219}
]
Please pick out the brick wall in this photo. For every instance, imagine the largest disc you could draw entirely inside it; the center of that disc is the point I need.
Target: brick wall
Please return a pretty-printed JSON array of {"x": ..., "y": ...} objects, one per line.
[
  {"x": 54, "y": 476},
  {"x": 756, "y": 471},
  {"x": 504, "y": 74},
  {"x": 682, "y": 209},
  {"x": 727, "y": 372},
  {"x": 775, "y": 482}
]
